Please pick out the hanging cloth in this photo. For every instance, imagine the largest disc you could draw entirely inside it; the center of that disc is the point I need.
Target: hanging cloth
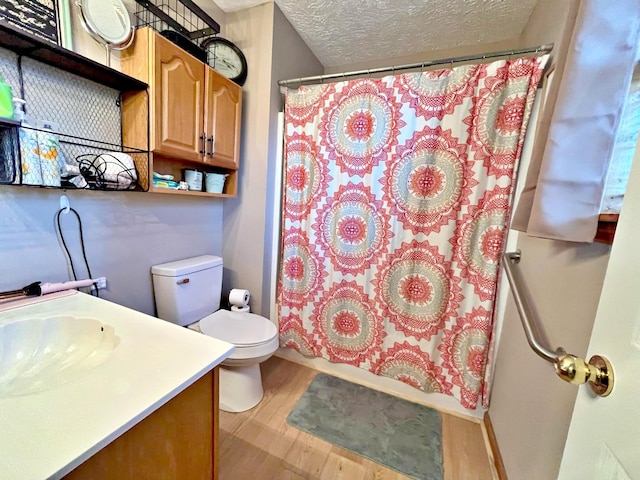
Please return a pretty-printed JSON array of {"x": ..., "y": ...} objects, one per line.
[
  {"x": 395, "y": 204},
  {"x": 567, "y": 177}
]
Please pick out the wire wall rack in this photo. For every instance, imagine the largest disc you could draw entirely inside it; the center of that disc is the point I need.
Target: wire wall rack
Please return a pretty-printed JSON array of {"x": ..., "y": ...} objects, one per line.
[
  {"x": 42, "y": 158},
  {"x": 73, "y": 135},
  {"x": 181, "y": 21}
]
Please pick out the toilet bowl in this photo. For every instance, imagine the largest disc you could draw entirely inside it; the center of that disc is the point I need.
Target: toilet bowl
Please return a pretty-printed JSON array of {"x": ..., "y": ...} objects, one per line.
[
  {"x": 187, "y": 292},
  {"x": 256, "y": 339}
]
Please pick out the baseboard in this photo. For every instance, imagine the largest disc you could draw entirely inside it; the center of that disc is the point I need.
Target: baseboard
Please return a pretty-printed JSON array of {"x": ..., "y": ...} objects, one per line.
[{"x": 493, "y": 452}]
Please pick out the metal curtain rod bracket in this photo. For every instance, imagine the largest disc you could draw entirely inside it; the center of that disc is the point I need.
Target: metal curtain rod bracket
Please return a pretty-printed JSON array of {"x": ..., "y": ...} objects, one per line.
[
  {"x": 598, "y": 371},
  {"x": 539, "y": 50}
]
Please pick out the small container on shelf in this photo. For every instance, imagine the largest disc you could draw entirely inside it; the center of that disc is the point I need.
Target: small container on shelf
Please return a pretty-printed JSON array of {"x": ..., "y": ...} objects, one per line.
[
  {"x": 214, "y": 182},
  {"x": 6, "y": 100},
  {"x": 193, "y": 178}
]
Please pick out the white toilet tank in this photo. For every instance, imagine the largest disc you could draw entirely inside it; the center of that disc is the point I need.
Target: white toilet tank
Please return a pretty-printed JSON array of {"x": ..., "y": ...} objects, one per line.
[{"x": 187, "y": 290}]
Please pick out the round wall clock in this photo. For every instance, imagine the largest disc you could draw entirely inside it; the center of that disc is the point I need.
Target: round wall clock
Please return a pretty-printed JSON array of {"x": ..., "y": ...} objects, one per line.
[{"x": 226, "y": 58}]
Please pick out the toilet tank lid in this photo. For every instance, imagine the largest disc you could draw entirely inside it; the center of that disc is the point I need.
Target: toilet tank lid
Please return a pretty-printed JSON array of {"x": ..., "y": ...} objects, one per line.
[{"x": 186, "y": 266}]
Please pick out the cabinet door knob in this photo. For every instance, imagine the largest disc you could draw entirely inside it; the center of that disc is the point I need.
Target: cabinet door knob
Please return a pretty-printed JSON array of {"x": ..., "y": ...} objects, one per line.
[
  {"x": 211, "y": 141},
  {"x": 203, "y": 137}
]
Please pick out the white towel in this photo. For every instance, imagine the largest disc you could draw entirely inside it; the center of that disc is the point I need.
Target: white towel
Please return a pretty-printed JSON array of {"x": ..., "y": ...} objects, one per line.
[{"x": 117, "y": 167}]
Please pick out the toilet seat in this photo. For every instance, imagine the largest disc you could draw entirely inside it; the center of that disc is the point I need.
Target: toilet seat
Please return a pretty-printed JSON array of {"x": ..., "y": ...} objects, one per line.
[
  {"x": 255, "y": 337},
  {"x": 244, "y": 330}
]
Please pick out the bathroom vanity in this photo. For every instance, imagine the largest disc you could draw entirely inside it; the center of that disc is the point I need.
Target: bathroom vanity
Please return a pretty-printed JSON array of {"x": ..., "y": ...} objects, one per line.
[
  {"x": 145, "y": 407},
  {"x": 179, "y": 440}
]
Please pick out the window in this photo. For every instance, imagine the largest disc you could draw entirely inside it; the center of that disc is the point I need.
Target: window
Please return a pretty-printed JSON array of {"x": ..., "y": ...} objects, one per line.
[{"x": 621, "y": 159}]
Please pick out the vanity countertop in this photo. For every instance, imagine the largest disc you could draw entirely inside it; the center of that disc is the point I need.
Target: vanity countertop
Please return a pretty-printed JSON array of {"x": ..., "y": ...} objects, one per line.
[{"x": 47, "y": 434}]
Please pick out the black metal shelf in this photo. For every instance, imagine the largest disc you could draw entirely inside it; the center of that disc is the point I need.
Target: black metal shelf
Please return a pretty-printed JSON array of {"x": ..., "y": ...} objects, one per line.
[
  {"x": 27, "y": 45},
  {"x": 93, "y": 160},
  {"x": 8, "y": 122},
  {"x": 188, "y": 18}
]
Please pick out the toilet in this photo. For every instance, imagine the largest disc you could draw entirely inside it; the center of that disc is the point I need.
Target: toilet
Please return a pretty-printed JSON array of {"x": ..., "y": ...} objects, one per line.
[{"x": 188, "y": 291}]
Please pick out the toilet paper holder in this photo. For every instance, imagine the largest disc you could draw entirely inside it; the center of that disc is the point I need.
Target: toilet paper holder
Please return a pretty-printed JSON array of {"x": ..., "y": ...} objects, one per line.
[{"x": 244, "y": 308}]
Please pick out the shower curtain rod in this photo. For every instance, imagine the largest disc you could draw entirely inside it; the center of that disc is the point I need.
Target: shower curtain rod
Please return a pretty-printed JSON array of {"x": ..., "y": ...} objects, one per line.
[{"x": 541, "y": 49}]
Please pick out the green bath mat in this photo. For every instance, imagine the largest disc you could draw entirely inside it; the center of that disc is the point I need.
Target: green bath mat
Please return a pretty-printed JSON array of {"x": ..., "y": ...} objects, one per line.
[{"x": 396, "y": 433}]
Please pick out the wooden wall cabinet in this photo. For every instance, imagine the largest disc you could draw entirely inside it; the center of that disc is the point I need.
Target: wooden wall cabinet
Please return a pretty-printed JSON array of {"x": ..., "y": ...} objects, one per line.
[
  {"x": 178, "y": 96},
  {"x": 194, "y": 112},
  {"x": 223, "y": 116}
]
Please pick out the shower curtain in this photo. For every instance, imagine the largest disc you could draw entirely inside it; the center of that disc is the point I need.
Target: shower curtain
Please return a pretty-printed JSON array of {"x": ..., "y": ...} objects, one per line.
[{"x": 396, "y": 195}]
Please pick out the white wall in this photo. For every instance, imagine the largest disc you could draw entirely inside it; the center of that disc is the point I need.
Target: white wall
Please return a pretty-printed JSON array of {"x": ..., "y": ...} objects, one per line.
[
  {"x": 125, "y": 234},
  {"x": 274, "y": 51},
  {"x": 244, "y": 216},
  {"x": 531, "y": 408}
]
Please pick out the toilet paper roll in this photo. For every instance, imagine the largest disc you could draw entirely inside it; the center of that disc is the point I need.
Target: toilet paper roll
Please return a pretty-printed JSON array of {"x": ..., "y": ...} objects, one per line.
[
  {"x": 239, "y": 297},
  {"x": 236, "y": 308}
]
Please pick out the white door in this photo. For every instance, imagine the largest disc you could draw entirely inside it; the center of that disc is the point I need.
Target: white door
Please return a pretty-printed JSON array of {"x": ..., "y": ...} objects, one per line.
[{"x": 604, "y": 436}]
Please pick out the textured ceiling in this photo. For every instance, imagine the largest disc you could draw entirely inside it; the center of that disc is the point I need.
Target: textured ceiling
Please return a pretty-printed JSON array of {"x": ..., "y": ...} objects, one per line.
[
  {"x": 340, "y": 32},
  {"x": 236, "y": 5}
]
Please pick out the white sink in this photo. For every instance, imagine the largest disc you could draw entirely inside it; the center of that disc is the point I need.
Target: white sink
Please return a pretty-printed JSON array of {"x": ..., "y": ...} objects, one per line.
[
  {"x": 37, "y": 354},
  {"x": 55, "y": 413}
]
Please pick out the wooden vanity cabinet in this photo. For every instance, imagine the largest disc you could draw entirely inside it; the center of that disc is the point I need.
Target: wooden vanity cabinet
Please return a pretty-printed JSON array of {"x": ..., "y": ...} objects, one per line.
[
  {"x": 194, "y": 112},
  {"x": 177, "y": 441}
]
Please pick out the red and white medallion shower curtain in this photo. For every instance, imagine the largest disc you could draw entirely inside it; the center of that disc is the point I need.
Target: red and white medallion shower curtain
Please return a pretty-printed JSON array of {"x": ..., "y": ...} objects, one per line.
[{"x": 396, "y": 197}]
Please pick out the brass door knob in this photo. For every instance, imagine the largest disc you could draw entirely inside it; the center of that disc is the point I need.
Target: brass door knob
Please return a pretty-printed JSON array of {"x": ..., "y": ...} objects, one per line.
[{"x": 598, "y": 372}]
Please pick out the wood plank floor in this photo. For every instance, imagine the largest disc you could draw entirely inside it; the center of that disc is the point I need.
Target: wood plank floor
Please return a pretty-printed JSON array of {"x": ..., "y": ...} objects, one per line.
[{"x": 260, "y": 445}]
